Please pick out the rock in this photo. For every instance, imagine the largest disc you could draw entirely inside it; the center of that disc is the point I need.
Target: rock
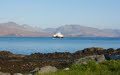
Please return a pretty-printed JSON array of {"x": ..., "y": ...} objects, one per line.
[
  {"x": 48, "y": 69},
  {"x": 114, "y": 57},
  {"x": 36, "y": 70},
  {"x": 6, "y": 74},
  {"x": 100, "y": 58},
  {"x": 85, "y": 60},
  {"x": 17, "y": 74},
  {"x": 93, "y": 49},
  {"x": 66, "y": 69},
  {"x": 28, "y": 74},
  {"x": 1, "y": 73}
]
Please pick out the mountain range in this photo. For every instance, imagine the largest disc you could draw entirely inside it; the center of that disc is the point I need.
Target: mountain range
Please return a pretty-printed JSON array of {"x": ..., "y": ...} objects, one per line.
[{"x": 12, "y": 29}]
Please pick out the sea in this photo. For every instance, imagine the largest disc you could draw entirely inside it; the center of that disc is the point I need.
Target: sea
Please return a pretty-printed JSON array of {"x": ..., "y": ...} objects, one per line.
[{"x": 28, "y": 45}]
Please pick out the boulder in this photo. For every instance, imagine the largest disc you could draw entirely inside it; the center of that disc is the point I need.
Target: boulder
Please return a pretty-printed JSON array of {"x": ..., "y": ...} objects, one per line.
[
  {"x": 28, "y": 74},
  {"x": 85, "y": 60},
  {"x": 114, "y": 57},
  {"x": 66, "y": 69},
  {"x": 100, "y": 58},
  {"x": 48, "y": 69},
  {"x": 1, "y": 73},
  {"x": 17, "y": 74},
  {"x": 35, "y": 70}
]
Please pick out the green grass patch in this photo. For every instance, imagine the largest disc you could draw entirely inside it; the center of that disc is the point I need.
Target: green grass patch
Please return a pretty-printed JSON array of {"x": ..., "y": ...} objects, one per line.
[{"x": 111, "y": 67}]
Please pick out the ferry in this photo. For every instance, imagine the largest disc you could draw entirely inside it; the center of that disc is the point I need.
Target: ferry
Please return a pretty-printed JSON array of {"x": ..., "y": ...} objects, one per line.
[{"x": 58, "y": 35}]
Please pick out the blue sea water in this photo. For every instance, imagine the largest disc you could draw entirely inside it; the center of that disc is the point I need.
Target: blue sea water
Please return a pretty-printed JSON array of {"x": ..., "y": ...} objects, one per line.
[{"x": 28, "y": 45}]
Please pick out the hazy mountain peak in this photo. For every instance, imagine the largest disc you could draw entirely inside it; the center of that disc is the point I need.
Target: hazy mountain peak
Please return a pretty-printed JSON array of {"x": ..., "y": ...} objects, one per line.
[
  {"x": 79, "y": 30},
  {"x": 10, "y": 23},
  {"x": 14, "y": 29},
  {"x": 26, "y": 26}
]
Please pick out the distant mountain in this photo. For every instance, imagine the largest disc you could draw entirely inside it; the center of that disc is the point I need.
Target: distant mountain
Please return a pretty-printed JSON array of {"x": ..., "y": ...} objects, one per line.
[
  {"x": 82, "y": 31},
  {"x": 14, "y": 29}
]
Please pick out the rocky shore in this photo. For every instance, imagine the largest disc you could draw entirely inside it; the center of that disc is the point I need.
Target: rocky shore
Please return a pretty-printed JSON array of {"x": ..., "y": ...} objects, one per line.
[{"x": 16, "y": 63}]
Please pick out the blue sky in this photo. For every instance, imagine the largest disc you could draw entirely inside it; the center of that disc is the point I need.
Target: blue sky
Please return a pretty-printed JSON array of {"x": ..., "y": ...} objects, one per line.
[{"x": 54, "y": 13}]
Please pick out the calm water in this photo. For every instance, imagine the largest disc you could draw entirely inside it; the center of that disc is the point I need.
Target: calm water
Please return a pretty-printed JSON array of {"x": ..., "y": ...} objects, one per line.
[{"x": 28, "y": 45}]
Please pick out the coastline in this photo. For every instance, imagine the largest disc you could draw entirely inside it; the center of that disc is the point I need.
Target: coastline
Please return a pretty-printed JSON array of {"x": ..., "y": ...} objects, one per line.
[{"x": 19, "y": 63}]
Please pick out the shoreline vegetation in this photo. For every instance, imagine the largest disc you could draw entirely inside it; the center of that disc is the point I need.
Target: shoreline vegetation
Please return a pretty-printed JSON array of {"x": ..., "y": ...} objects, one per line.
[{"x": 89, "y": 61}]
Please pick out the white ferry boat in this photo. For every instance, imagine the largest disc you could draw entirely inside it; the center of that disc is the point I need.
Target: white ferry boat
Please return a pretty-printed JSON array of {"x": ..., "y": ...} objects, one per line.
[{"x": 58, "y": 35}]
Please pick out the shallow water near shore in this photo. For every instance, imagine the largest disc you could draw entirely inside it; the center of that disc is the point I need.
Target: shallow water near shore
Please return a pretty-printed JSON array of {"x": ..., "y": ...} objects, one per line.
[{"x": 28, "y": 45}]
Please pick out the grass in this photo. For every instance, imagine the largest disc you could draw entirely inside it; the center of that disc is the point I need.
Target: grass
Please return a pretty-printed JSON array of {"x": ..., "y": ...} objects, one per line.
[{"x": 111, "y": 67}]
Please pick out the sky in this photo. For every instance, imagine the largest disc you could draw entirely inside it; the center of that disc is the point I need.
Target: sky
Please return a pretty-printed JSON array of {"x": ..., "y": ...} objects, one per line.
[{"x": 54, "y": 13}]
